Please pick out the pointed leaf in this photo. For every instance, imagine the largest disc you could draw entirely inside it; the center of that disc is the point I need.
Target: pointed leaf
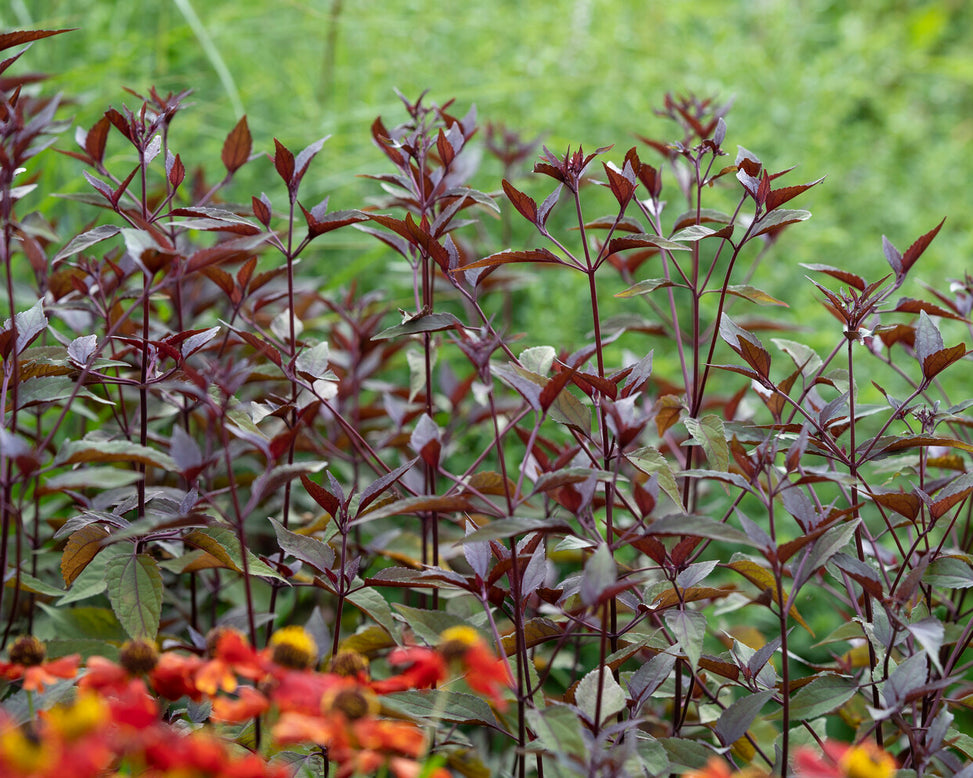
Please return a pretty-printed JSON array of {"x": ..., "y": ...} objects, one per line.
[
  {"x": 737, "y": 718},
  {"x": 135, "y": 592},
  {"x": 81, "y": 548}
]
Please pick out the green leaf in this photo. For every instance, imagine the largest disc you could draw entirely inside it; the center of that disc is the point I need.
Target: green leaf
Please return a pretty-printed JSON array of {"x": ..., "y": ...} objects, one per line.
[
  {"x": 804, "y": 356},
  {"x": 700, "y": 527},
  {"x": 685, "y": 754},
  {"x": 708, "y": 432},
  {"x": 558, "y": 730},
  {"x": 29, "y": 583},
  {"x": 779, "y": 218},
  {"x": 600, "y": 573},
  {"x": 650, "y": 460},
  {"x": 751, "y": 293},
  {"x": 223, "y": 544},
  {"x": 647, "y": 286},
  {"x": 612, "y": 695},
  {"x": 688, "y": 628},
  {"x": 104, "y": 477},
  {"x": 538, "y": 359},
  {"x": 434, "y": 705},
  {"x": 949, "y": 572},
  {"x": 929, "y": 632},
  {"x": 135, "y": 592},
  {"x": 375, "y": 605},
  {"x": 85, "y": 622},
  {"x": 425, "y": 322},
  {"x": 428, "y": 625},
  {"x": 824, "y": 695}
]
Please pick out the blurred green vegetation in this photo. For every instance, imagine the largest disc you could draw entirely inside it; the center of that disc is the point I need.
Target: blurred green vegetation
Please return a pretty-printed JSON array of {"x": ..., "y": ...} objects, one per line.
[{"x": 876, "y": 95}]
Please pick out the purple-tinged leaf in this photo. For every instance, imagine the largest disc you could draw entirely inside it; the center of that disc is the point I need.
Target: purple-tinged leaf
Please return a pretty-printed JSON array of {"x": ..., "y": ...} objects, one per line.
[
  {"x": 478, "y": 554},
  {"x": 650, "y": 676},
  {"x": 426, "y": 440},
  {"x": 328, "y": 501},
  {"x": 311, "y": 551},
  {"x": 694, "y": 525},
  {"x": 647, "y": 286},
  {"x": 379, "y": 485},
  {"x": 80, "y": 349},
  {"x": 237, "y": 146},
  {"x": 261, "y": 209},
  {"x": 746, "y": 344},
  {"x": 929, "y": 633},
  {"x": 644, "y": 240},
  {"x": 184, "y": 450},
  {"x": 424, "y": 322},
  {"x": 599, "y": 576},
  {"x": 510, "y": 255},
  {"x": 950, "y": 572},
  {"x": 737, "y": 717},
  {"x": 175, "y": 169},
  {"x": 892, "y": 255},
  {"x": 929, "y": 341},
  {"x": 101, "y": 186}
]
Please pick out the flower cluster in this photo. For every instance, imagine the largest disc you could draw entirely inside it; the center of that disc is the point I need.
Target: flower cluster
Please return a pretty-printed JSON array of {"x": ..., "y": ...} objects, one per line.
[
  {"x": 119, "y": 722},
  {"x": 836, "y": 760}
]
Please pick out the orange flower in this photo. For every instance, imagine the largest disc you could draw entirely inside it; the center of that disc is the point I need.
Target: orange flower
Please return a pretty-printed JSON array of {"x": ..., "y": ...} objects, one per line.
[
  {"x": 231, "y": 655},
  {"x": 485, "y": 672},
  {"x": 841, "y": 760},
  {"x": 248, "y": 704},
  {"x": 27, "y": 656},
  {"x": 425, "y": 669},
  {"x": 715, "y": 768}
]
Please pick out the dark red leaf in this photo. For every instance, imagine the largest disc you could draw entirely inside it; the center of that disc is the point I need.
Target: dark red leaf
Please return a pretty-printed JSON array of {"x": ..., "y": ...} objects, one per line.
[
  {"x": 525, "y": 204},
  {"x": 915, "y": 250},
  {"x": 237, "y": 146},
  {"x": 778, "y": 197},
  {"x": 321, "y": 496},
  {"x": 284, "y": 162}
]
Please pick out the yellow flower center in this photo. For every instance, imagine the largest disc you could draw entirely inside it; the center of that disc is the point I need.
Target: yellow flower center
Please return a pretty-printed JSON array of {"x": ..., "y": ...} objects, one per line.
[
  {"x": 456, "y": 641},
  {"x": 868, "y": 761},
  {"x": 294, "y": 647}
]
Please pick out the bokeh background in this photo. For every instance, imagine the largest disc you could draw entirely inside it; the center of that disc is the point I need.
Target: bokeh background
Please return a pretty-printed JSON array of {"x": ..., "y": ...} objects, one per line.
[{"x": 876, "y": 95}]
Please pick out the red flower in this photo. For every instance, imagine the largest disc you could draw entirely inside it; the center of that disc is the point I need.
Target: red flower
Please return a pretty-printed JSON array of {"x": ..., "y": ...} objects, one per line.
[
  {"x": 173, "y": 676},
  {"x": 485, "y": 672},
  {"x": 426, "y": 668},
  {"x": 27, "y": 663}
]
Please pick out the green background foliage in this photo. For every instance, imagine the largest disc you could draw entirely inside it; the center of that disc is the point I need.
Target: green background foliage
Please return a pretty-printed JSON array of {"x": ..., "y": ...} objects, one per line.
[{"x": 875, "y": 95}]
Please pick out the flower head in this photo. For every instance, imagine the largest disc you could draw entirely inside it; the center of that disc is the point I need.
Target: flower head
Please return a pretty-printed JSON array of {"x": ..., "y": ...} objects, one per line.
[
  {"x": 485, "y": 672},
  {"x": 294, "y": 648},
  {"x": 27, "y": 662}
]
